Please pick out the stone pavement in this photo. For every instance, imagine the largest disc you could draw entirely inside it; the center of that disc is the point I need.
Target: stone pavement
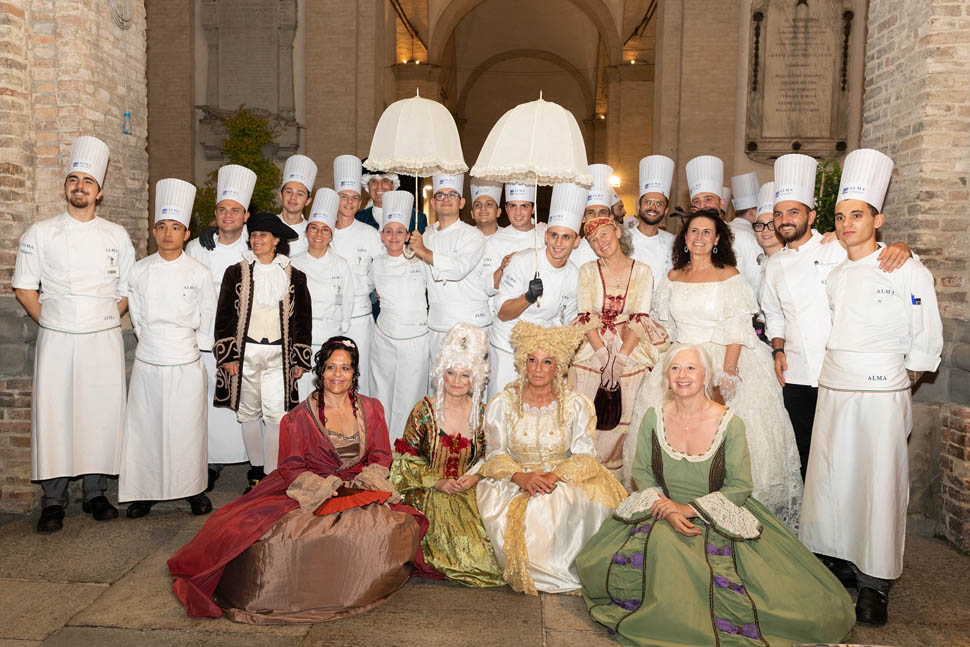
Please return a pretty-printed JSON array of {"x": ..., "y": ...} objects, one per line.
[{"x": 105, "y": 584}]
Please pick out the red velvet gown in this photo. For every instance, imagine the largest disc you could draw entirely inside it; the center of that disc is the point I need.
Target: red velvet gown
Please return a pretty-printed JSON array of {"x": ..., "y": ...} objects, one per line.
[{"x": 198, "y": 566}]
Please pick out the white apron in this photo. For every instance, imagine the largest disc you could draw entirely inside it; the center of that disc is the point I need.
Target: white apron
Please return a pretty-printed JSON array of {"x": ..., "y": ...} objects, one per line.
[
  {"x": 362, "y": 332},
  {"x": 502, "y": 370},
  {"x": 857, "y": 483},
  {"x": 225, "y": 441},
  {"x": 396, "y": 365}
]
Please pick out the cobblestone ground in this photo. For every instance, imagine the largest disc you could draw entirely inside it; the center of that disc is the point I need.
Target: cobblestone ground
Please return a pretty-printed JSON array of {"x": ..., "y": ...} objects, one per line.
[{"x": 105, "y": 584}]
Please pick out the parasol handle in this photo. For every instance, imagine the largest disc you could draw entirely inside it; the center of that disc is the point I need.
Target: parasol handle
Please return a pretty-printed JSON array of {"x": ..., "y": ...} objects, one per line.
[
  {"x": 407, "y": 251},
  {"x": 535, "y": 228}
]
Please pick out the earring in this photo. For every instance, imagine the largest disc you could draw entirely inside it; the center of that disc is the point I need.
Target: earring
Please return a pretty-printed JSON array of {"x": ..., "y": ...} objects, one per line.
[
  {"x": 686, "y": 251},
  {"x": 715, "y": 249}
]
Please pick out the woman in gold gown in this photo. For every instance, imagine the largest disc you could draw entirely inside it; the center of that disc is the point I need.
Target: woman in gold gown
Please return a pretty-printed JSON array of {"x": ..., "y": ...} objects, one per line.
[{"x": 443, "y": 437}]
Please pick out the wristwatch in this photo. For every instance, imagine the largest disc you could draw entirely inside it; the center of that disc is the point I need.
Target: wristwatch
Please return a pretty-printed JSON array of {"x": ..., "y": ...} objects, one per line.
[{"x": 775, "y": 352}]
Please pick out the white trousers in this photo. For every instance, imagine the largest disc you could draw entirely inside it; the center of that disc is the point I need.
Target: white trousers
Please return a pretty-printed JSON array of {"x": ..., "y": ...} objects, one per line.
[
  {"x": 78, "y": 409},
  {"x": 262, "y": 399},
  {"x": 362, "y": 331},
  {"x": 163, "y": 454},
  {"x": 502, "y": 370},
  {"x": 396, "y": 368},
  {"x": 225, "y": 442}
]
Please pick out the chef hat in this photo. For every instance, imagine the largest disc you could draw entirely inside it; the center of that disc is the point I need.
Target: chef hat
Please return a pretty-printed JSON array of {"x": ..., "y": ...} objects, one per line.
[
  {"x": 346, "y": 173},
  {"x": 89, "y": 155},
  {"x": 766, "y": 198},
  {"x": 454, "y": 181},
  {"x": 705, "y": 174},
  {"x": 726, "y": 196},
  {"x": 616, "y": 198},
  {"x": 795, "y": 179},
  {"x": 486, "y": 187},
  {"x": 656, "y": 174},
  {"x": 235, "y": 183},
  {"x": 300, "y": 168},
  {"x": 520, "y": 192},
  {"x": 173, "y": 200},
  {"x": 567, "y": 206},
  {"x": 865, "y": 176},
  {"x": 395, "y": 180},
  {"x": 324, "y": 209},
  {"x": 397, "y": 207},
  {"x": 745, "y": 191},
  {"x": 601, "y": 192}
]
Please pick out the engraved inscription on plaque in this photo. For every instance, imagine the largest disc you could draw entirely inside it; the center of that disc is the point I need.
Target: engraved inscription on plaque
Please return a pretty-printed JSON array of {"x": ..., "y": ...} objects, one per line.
[
  {"x": 797, "y": 94},
  {"x": 248, "y": 54}
]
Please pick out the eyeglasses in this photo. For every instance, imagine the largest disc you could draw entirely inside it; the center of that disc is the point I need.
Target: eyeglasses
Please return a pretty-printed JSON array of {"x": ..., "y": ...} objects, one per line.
[
  {"x": 761, "y": 226},
  {"x": 441, "y": 197}
]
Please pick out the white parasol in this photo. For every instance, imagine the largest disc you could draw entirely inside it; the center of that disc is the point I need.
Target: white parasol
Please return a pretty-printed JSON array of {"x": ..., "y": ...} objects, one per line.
[
  {"x": 416, "y": 137},
  {"x": 538, "y": 142}
]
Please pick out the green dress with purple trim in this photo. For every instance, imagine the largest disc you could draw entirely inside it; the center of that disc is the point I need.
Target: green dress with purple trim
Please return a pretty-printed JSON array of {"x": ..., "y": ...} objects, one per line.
[{"x": 745, "y": 580}]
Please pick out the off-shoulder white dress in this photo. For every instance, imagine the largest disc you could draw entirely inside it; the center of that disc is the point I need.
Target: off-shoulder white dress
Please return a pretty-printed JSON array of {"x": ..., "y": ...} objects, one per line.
[{"x": 715, "y": 315}]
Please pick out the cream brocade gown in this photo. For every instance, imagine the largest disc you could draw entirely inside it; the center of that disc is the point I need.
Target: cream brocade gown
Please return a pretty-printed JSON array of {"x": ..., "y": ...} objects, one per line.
[
  {"x": 536, "y": 539},
  {"x": 714, "y": 315}
]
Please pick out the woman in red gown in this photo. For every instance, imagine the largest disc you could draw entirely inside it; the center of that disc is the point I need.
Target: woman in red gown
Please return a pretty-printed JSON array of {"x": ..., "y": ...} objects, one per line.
[{"x": 315, "y": 539}]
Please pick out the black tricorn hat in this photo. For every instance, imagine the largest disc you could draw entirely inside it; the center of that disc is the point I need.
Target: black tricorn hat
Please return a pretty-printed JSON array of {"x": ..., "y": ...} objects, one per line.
[{"x": 273, "y": 224}]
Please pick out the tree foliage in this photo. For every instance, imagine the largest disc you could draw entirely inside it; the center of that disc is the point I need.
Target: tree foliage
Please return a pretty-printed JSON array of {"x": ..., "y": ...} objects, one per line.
[
  {"x": 827, "y": 178},
  {"x": 248, "y": 135}
]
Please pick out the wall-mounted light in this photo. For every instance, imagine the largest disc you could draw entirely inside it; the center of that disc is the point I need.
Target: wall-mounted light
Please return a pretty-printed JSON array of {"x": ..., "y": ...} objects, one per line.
[
  {"x": 615, "y": 181},
  {"x": 601, "y": 116},
  {"x": 633, "y": 61}
]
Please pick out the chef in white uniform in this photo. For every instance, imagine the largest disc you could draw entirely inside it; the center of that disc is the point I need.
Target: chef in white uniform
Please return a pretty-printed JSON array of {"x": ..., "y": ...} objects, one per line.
[
  {"x": 359, "y": 244},
  {"x": 538, "y": 287},
  {"x": 299, "y": 174},
  {"x": 172, "y": 305},
  {"x": 597, "y": 204},
  {"x": 399, "y": 350},
  {"x": 793, "y": 299},
  {"x": 328, "y": 277},
  {"x": 233, "y": 191},
  {"x": 71, "y": 277},
  {"x": 745, "y": 189},
  {"x": 705, "y": 181},
  {"x": 886, "y": 331},
  {"x": 521, "y": 234},
  {"x": 652, "y": 245},
  {"x": 486, "y": 197},
  {"x": 451, "y": 251}
]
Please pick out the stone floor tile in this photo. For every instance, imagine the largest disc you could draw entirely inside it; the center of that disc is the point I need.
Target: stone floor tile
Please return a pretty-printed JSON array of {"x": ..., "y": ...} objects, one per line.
[
  {"x": 114, "y": 637},
  {"x": 30, "y": 610},
  {"x": 12, "y": 642},
  {"x": 566, "y": 612},
  {"x": 570, "y": 638}
]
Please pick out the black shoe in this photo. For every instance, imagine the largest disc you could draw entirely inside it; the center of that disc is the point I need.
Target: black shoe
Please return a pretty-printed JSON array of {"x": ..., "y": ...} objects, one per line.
[
  {"x": 213, "y": 477},
  {"x": 254, "y": 476},
  {"x": 840, "y": 569},
  {"x": 100, "y": 509},
  {"x": 200, "y": 504},
  {"x": 872, "y": 608},
  {"x": 139, "y": 509},
  {"x": 51, "y": 519}
]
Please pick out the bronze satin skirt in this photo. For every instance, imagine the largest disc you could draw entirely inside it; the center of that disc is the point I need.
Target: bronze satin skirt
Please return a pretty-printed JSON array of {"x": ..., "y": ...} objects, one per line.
[{"x": 309, "y": 569}]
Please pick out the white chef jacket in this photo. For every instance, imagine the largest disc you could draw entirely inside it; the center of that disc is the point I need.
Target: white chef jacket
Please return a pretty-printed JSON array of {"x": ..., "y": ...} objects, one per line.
[
  {"x": 455, "y": 293},
  {"x": 217, "y": 261},
  {"x": 890, "y": 319},
  {"x": 172, "y": 306},
  {"x": 331, "y": 286},
  {"x": 556, "y": 307},
  {"x": 359, "y": 244},
  {"x": 81, "y": 270},
  {"x": 401, "y": 287},
  {"x": 299, "y": 245},
  {"x": 746, "y": 252},
  {"x": 501, "y": 244},
  {"x": 583, "y": 254},
  {"x": 655, "y": 251}
]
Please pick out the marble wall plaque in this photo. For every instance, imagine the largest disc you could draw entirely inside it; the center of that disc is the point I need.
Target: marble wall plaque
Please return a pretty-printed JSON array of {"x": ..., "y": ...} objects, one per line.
[{"x": 797, "y": 78}]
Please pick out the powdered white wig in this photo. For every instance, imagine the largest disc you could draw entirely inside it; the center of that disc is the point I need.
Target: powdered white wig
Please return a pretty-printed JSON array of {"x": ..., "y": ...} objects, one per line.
[
  {"x": 395, "y": 180},
  {"x": 464, "y": 347}
]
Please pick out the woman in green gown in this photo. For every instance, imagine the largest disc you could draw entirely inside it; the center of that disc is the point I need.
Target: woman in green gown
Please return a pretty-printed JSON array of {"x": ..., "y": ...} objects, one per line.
[
  {"x": 443, "y": 437},
  {"x": 690, "y": 559}
]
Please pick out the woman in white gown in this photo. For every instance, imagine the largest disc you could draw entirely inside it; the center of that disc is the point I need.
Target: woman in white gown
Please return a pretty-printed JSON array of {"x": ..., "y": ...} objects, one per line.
[
  {"x": 706, "y": 301},
  {"x": 542, "y": 492}
]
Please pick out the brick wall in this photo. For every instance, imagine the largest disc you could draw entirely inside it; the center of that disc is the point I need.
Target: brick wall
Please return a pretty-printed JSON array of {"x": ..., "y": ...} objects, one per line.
[
  {"x": 917, "y": 110},
  {"x": 65, "y": 70}
]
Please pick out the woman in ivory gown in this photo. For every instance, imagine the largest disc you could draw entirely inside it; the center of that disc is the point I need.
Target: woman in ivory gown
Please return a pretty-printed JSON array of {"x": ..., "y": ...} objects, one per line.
[
  {"x": 542, "y": 491},
  {"x": 706, "y": 301}
]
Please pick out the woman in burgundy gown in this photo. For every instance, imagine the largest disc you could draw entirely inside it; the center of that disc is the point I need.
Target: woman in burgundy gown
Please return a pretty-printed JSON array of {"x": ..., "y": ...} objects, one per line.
[{"x": 324, "y": 535}]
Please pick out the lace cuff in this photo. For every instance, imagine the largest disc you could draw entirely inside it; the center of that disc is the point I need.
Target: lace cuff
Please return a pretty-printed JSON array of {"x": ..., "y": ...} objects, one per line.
[
  {"x": 732, "y": 521},
  {"x": 638, "y": 503},
  {"x": 376, "y": 477},
  {"x": 499, "y": 467},
  {"x": 312, "y": 490}
]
